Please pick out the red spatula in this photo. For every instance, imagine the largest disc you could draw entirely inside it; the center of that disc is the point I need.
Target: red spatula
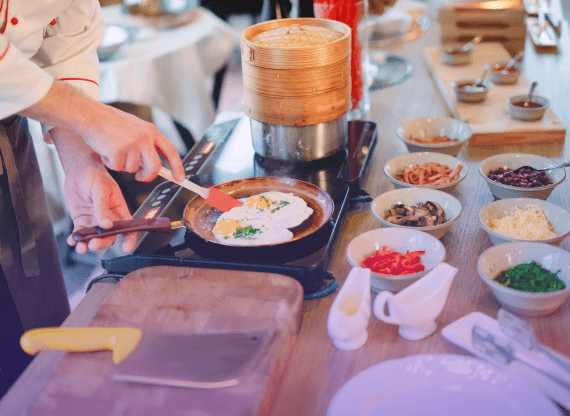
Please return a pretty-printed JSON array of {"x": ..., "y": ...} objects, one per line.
[{"x": 213, "y": 196}]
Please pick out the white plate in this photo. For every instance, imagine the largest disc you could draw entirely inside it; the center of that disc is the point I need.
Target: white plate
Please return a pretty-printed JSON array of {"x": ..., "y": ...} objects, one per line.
[
  {"x": 459, "y": 333},
  {"x": 439, "y": 385}
]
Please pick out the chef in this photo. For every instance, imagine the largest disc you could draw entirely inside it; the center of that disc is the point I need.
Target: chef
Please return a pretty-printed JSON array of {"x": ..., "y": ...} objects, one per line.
[{"x": 49, "y": 72}]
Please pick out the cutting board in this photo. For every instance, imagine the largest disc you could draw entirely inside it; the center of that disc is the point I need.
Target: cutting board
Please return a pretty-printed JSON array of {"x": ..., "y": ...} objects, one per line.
[
  {"x": 490, "y": 119},
  {"x": 181, "y": 300}
]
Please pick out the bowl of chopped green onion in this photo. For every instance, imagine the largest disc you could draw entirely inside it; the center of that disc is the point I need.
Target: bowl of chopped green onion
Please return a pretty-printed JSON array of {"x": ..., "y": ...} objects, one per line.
[{"x": 530, "y": 279}]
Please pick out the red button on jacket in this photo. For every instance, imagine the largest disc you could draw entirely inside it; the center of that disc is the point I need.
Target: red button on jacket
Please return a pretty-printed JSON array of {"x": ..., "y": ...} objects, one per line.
[
  {"x": 53, "y": 22},
  {"x": 14, "y": 21}
]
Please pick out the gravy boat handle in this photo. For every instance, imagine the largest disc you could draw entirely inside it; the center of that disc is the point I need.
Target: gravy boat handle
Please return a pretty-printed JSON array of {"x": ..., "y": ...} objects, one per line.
[{"x": 378, "y": 307}]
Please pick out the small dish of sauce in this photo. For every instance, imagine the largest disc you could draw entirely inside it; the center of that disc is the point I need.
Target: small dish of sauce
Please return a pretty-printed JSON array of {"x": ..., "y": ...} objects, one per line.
[
  {"x": 504, "y": 70},
  {"x": 529, "y": 104}
]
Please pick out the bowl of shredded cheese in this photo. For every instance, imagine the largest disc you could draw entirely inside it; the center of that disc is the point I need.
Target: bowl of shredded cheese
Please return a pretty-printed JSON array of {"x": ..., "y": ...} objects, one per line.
[
  {"x": 512, "y": 161},
  {"x": 538, "y": 276},
  {"x": 525, "y": 219},
  {"x": 435, "y": 134},
  {"x": 426, "y": 169}
]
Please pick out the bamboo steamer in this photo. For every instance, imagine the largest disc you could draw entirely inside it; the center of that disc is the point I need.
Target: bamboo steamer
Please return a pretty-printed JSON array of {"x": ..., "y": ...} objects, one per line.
[{"x": 296, "y": 72}]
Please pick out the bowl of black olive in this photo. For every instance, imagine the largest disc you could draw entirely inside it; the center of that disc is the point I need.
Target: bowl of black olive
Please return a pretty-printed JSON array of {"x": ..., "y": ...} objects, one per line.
[
  {"x": 531, "y": 279},
  {"x": 524, "y": 109},
  {"x": 424, "y": 209},
  {"x": 516, "y": 175}
]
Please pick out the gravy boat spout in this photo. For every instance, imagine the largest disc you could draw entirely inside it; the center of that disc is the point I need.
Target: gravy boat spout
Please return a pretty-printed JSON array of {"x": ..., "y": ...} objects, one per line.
[{"x": 416, "y": 307}]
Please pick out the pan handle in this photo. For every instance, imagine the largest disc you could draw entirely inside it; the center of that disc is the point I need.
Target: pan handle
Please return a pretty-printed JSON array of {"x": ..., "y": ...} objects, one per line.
[{"x": 120, "y": 227}]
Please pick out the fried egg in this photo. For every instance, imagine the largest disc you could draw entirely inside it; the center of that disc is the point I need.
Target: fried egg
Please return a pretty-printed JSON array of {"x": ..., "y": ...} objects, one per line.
[
  {"x": 246, "y": 232},
  {"x": 263, "y": 219},
  {"x": 287, "y": 210}
]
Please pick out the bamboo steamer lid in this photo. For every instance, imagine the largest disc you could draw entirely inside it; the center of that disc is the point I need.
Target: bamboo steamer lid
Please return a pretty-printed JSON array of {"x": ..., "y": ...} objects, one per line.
[{"x": 296, "y": 71}]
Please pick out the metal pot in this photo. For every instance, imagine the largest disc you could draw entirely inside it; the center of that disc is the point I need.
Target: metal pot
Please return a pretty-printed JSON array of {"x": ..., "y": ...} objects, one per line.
[{"x": 299, "y": 143}]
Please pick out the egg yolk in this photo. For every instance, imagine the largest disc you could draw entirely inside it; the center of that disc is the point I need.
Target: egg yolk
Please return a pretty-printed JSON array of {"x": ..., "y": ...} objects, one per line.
[
  {"x": 258, "y": 202},
  {"x": 227, "y": 227}
]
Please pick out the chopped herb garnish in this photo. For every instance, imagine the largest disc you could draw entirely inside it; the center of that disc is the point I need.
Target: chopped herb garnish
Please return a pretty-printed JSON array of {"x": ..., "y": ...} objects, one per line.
[
  {"x": 530, "y": 278},
  {"x": 280, "y": 205},
  {"x": 245, "y": 232}
]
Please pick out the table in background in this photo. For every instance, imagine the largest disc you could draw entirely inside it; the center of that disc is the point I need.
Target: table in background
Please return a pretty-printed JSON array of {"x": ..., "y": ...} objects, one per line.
[
  {"x": 171, "y": 69},
  {"x": 317, "y": 370}
]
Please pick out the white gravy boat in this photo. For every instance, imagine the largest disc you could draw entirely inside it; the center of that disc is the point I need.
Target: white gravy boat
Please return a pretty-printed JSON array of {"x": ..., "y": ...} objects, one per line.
[
  {"x": 416, "y": 307},
  {"x": 350, "y": 311}
]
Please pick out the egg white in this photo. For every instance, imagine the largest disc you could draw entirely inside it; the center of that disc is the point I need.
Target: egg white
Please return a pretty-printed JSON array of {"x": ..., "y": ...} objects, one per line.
[
  {"x": 264, "y": 219},
  {"x": 285, "y": 209}
]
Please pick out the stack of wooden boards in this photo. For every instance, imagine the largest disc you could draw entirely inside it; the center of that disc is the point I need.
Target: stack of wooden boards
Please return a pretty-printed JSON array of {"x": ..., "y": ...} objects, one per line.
[{"x": 490, "y": 120}]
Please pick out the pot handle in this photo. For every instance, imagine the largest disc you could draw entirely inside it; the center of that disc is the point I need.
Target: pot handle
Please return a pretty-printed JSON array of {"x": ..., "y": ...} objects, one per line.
[{"x": 120, "y": 227}]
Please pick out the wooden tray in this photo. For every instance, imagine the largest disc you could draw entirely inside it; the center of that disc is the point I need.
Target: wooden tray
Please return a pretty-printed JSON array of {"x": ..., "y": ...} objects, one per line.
[
  {"x": 490, "y": 120},
  {"x": 181, "y": 300}
]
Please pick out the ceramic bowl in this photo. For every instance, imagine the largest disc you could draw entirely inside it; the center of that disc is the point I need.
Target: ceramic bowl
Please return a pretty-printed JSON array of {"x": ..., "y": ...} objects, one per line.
[
  {"x": 506, "y": 256},
  {"x": 400, "y": 240},
  {"x": 499, "y": 75},
  {"x": 514, "y": 161},
  {"x": 454, "y": 55},
  {"x": 397, "y": 164},
  {"x": 424, "y": 128},
  {"x": 528, "y": 113},
  {"x": 558, "y": 217},
  {"x": 466, "y": 93},
  {"x": 411, "y": 196}
]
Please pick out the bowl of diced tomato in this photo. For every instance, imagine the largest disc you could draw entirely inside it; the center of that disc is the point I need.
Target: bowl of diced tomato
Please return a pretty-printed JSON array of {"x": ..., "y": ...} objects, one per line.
[{"x": 397, "y": 257}]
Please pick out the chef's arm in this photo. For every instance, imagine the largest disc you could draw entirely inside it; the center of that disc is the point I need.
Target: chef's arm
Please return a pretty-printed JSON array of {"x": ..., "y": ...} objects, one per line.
[
  {"x": 124, "y": 142},
  {"x": 91, "y": 194}
]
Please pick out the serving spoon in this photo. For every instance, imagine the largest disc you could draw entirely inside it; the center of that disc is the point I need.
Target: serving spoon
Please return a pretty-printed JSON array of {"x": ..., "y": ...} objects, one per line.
[
  {"x": 479, "y": 81},
  {"x": 516, "y": 59},
  {"x": 474, "y": 41},
  {"x": 529, "y": 96},
  {"x": 561, "y": 165}
]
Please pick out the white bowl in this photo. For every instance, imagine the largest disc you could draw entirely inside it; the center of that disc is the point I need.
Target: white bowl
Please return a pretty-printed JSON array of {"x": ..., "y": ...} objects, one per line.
[
  {"x": 397, "y": 164},
  {"x": 400, "y": 240},
  {"x": 514, "y": 161},
  {"x": 474, "y": 95},
  {"x": 435, "y": 126},
  {"x": 506, "y": 256},
  {"x": 558, "y": 217},
  {"x": 504, "y": 76},
  {"x": 412, "y": 196},
  {"x": 454, "y": 55},
  {"x": 528, "y": 113}
]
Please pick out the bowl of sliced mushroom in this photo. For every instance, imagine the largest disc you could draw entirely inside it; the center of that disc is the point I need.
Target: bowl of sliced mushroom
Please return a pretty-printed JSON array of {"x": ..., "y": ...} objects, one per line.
[{"x": 425, "y": 209}]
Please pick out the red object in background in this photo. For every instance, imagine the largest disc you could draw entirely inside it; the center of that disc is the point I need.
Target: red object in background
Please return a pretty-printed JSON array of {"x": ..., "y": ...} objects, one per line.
[
  {"x": 387, "y": 261},
  {"x": 349, "y": 12}
]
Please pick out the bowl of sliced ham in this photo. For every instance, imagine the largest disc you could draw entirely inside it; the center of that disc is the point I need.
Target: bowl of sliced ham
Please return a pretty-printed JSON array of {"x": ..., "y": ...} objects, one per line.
[{"x": 426, "y": 169}]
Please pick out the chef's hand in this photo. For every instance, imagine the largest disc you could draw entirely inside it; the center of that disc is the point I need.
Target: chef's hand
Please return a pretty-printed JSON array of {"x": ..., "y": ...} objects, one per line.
[
  {"x": 127, "y": 143},
  {"x": 124, "y": 142},
  {"x": 92, "y": 195},
  {"x": 94, "y": 198}
]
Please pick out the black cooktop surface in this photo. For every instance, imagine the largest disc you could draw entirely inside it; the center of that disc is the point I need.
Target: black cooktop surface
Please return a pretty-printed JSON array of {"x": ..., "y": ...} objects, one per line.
[{"x": 225, "y": 153}]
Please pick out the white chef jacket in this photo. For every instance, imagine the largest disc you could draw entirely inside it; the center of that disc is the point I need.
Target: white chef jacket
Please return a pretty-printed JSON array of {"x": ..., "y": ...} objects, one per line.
[{"x": 44, "y": 40}]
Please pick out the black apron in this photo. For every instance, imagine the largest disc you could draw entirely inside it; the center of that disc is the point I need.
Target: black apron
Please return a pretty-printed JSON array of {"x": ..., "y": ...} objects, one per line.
[{"x": 32, "y": 291}]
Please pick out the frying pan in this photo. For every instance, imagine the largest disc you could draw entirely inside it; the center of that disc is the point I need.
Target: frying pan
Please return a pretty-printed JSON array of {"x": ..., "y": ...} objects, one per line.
[{"x": 200, "y": 217}]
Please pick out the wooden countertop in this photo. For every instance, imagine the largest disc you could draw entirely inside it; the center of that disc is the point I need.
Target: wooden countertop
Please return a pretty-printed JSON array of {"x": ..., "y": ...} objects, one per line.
[{"x": 317, "y": 370}]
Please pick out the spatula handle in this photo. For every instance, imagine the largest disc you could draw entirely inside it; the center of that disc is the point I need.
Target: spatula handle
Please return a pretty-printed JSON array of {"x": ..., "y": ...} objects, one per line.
[
  {"x": 167, "y": 174},
  {"x": 122, "y": 341},
  {"x": 120, "y": 227}
]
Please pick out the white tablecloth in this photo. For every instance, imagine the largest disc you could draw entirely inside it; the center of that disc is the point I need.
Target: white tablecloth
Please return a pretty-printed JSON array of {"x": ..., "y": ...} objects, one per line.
[{"x": 169, "y": 68}]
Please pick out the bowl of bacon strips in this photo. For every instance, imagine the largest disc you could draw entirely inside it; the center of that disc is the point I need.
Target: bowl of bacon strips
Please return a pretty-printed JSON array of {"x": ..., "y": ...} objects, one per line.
[
  {"x": 397, "y": 257},
  {"x": 426, "y": 169},
  {"x": 525, "y": 219},
  {"x": 435, "y": 134},
  {"x": 424, "y": 209}
]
